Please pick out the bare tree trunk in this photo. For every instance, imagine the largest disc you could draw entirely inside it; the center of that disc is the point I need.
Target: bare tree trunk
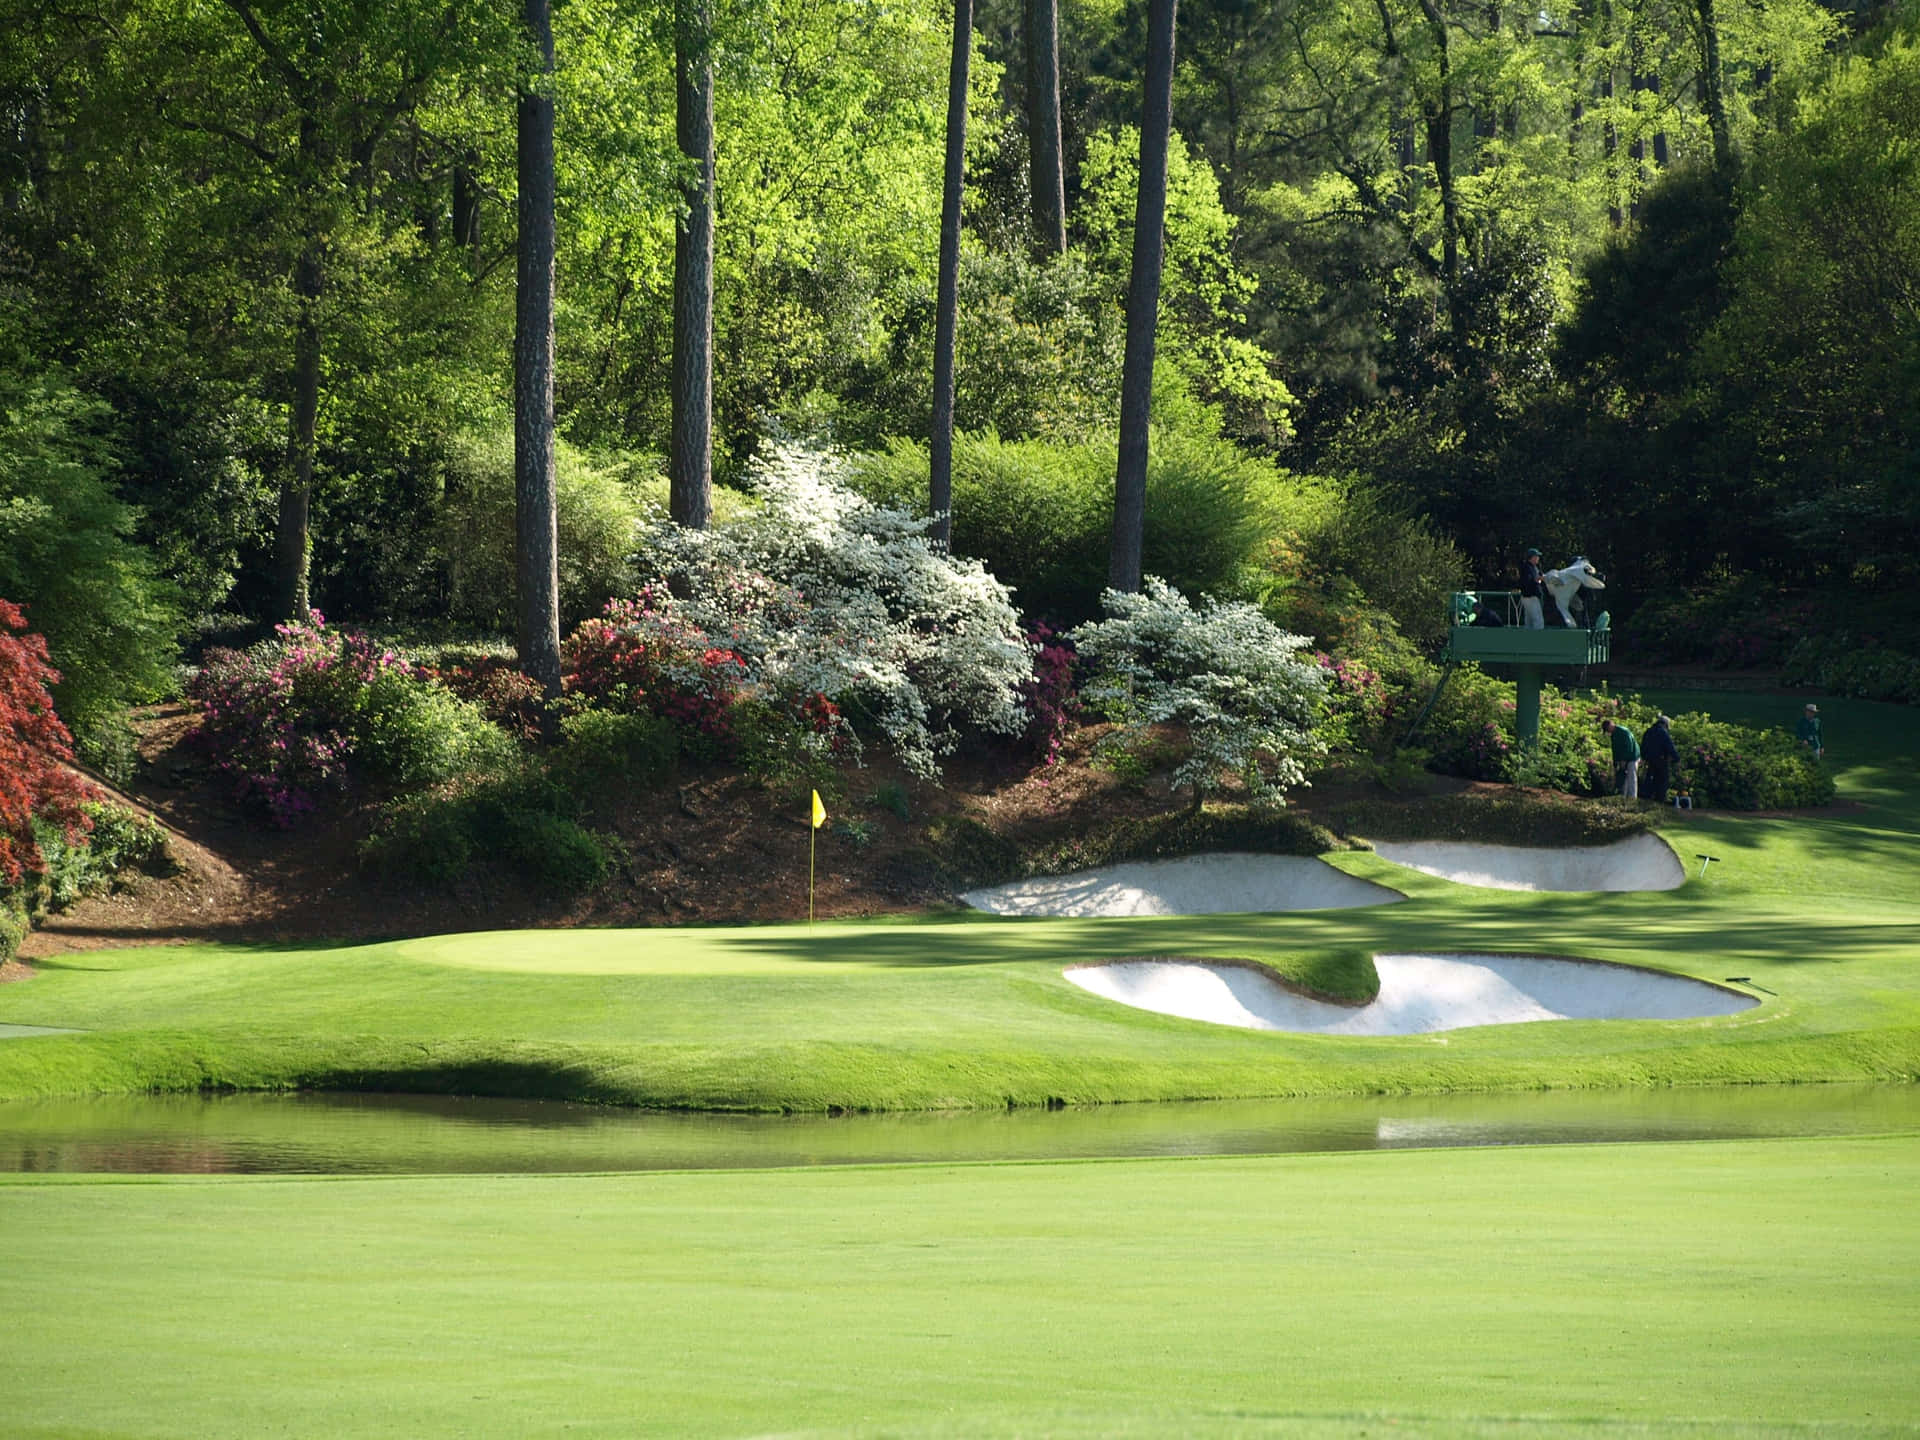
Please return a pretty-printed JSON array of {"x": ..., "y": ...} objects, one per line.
[
  {"x": 466, "y": 207},
  {"x": 536, "y": 540},
  {"x": 940, "y": 449},
  {"x": 1438, "y": 114},
  {"x": 291, "y": 541},
  {"x": 1043, "y": 126},
  {"x": 690, "y": 468},
  {"x": 1143, "y": 303},
  {"x": 1712, "y": 94}
]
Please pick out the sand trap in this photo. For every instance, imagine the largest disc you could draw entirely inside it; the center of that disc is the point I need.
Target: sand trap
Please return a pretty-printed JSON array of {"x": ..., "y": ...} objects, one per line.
[
  {"x": 1641, "y": 863},
  {"x": 1418, "y": 994},
  {"x": 1231, "y": 884}
]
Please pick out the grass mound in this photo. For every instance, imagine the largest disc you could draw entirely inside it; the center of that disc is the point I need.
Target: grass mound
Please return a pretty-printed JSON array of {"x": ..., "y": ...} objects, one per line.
[{"x": 1513, "y": 819}]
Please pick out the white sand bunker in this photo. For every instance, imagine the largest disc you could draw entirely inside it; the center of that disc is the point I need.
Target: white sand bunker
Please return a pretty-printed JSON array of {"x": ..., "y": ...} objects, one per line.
[
  {"x": 1641, "y": 863},
  {"x": 1230, "y": 884},
  {"x": 1418, "y": 994}
]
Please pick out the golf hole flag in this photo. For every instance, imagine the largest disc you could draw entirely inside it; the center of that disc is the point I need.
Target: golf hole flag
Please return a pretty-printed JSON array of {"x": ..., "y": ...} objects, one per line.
[{"x": 819, "y": 819}]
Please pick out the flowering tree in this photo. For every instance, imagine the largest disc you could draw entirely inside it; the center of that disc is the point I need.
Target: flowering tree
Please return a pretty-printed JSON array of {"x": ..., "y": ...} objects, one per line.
[
  {"x": 1225, "y": 672},
  {"x": 34, "y": 783},
  {"x": 824, "y": 598}
]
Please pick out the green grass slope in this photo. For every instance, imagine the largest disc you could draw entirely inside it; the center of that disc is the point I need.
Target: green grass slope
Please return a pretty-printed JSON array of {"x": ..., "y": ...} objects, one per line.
[
  {"x": 1724, "y": 1289},
  {"x": 1823, "y": 911}
]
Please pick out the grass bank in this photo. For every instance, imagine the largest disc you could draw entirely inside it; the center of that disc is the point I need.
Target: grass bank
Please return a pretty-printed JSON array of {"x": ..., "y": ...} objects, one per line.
[
  {"x": 1731, "y": 1289},
  {"x": 1823, "y": 911}
]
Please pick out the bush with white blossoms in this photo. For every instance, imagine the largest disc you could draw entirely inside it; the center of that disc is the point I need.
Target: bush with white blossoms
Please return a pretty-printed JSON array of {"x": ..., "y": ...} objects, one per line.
[
  {"x": 820, "y": 592},
  {"x": 1223, "y": 671}
]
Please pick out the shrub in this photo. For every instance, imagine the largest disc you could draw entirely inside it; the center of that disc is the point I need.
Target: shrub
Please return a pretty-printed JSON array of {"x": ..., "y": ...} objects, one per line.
[
  {"x": 36, "y": 788},
  {"x": 1248, "y": 703},
  {"x": 1039, "y": 515},
  {"x": 287, "y": 719},
  {"x": 1864, "y": 671},
  {"x": 602, "y": 746},
  {"x": 1049, "y": 693},
  {"x": 506, "y": 695},
  {"x": 1155, "y": 837},
  {"x": 117, "y": 840},
  {"x": 518, "y": 818},
  {"x": 1505, "y": 819}
]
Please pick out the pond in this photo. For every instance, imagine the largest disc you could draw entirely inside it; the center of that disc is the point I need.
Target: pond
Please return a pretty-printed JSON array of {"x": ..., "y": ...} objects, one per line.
[{"x": 404, "y": 1134}]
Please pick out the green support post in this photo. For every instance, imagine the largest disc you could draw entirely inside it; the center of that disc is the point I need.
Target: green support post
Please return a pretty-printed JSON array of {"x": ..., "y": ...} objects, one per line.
[{"x": 1526, "y": 714}]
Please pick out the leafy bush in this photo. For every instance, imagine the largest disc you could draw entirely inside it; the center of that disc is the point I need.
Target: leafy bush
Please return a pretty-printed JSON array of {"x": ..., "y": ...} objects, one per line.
[
  {"x": 287, "y": 719},
  {"x": 506, "y": 694},
  {"x": 1050, "y": 696},
  {"x": 835, "y": 609},
  {"x": 602, "y": 746},
  {"x": 1737, "y": 622},
  {"x": 1863, "y": 671},
  {"x": 1736, "y": 768},
  {"x": 36, "y": 788},
  {"x": 1248, "y": 703},
  {"x": 1208, "y": 831},
  {"x": 117, "y": 840},
  {"x": 517, "y": 818},
  {"x": 1039, "y": 515},
  {"x": 67, "y": 556},
  {"x": 1506, "y": 819}
]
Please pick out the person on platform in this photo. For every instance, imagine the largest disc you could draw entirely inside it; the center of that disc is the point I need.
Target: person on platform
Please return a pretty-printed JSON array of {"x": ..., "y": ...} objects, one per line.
[
  {"x": 1661, "y": 754},
  {"x": 1626, "y": 758},
  {"x": 1808, "y": 731},
  {"x": 1533, "y": 590}
]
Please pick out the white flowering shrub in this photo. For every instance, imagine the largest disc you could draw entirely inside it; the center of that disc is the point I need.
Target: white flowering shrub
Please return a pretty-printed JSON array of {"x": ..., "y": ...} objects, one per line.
[
  {"x": 821, "y": 593},
  {"x": 1224, "y": 671}
]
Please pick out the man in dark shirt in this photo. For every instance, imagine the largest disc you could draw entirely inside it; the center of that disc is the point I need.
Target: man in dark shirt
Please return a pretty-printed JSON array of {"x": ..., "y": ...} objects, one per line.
[
  {"x": 1661, "y": 754},
  {"x": 1533, "y": 587}
]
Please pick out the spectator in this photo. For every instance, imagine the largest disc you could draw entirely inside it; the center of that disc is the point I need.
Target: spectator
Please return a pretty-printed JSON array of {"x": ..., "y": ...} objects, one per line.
[
  {"x": 1809, "y": 731},
  {"x": 1533, "y": 586},
  {"x": 1626, "y": 758},
  {"x": 1661, "y": 754}
]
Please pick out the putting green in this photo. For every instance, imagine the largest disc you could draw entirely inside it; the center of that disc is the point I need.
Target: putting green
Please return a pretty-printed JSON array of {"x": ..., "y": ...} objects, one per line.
[{"x": 1705, "y": 1289}]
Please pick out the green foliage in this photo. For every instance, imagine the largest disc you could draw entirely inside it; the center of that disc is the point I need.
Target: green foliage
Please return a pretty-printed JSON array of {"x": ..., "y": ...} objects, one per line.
[
  {"x": 517, "y": 819},
  {"x": 67, "y": 553},
  {"x": 1213, "y": 829},
  {"x": 118, "y": 841},
  {"x": 891, "y": 796},
  {"x": 1840, "y": 667},
  {"x": 1501, "y": 819},
  {"x": 601, "y": 505},
  {"x": 604, "y": 747},
  {"x": 780, "y": 753},
  {"x": 414, "y": 734},
  {"x": 1039, "y": 515}
]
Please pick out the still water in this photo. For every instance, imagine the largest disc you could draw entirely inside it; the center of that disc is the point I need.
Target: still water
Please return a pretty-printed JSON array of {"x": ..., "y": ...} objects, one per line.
[{"x": 409, "y": 1134}]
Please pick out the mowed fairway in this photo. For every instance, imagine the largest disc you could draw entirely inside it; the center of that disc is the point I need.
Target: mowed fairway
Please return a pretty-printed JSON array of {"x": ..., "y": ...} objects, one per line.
[{"x": 1710, "y": 1289}]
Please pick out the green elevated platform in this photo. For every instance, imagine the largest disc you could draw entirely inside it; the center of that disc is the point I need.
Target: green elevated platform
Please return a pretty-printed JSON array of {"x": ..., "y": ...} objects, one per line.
[{"x": 1529, "y": 652}]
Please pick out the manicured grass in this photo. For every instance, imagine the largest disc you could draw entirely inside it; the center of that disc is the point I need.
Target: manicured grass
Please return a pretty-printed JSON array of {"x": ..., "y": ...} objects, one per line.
[
  {"x": 1824, "y": 911},
  {"x": 1706, "y": 1289}
]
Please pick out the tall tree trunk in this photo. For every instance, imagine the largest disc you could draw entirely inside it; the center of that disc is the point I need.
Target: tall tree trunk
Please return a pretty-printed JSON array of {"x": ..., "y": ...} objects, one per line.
[
  {"x": 1043, "y": 127},
  {"x": 291, "y": 544},
  {"x": 466, "y": 206},
  {"x": 536, "y": 540},
  {"x": 940, "y": 448},
  {"x": 690, "y": 468},
  {"x": 1712, "y": 93},
  {"x": 1438, "y": 114},
  {"x": 1143, "y": 303},
  {"x": 290, "y": 536},
  {"x": 1609, "y": 130}
]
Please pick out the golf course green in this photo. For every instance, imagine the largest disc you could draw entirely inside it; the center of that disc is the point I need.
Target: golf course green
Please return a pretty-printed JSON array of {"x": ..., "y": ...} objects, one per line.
[{"x": 1750, "y": 1287}]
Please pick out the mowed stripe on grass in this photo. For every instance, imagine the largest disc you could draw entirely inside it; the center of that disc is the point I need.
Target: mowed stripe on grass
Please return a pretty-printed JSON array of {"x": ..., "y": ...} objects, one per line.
[{"x": 1714, "y": 1285}]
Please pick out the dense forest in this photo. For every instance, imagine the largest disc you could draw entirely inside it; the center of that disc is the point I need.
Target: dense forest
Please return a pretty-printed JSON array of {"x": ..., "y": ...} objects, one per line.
[{"x": 1443, "y": 278}]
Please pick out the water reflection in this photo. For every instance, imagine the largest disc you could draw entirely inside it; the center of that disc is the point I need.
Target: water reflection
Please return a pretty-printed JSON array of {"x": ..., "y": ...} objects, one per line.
[{"x": 395, "y": 1134}]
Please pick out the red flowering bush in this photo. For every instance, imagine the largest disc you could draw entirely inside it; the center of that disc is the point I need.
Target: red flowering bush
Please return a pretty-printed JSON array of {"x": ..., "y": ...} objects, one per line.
[
  {"x": 1049, "y": 693},
  {"x": 640, "y": 658},
  {"x": 33, "y": 743},
  {"x": 506, "y": 695}
]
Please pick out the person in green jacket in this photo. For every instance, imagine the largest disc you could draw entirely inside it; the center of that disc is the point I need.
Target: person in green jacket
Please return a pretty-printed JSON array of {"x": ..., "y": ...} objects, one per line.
[
  {"x": 1626, "y": 758},
  {"x": 1809, "y": 731}
]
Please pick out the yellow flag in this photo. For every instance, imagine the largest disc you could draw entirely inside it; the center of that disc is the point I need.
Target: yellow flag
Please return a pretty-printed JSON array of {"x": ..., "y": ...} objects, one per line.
[{"x": 819, "y": 811}]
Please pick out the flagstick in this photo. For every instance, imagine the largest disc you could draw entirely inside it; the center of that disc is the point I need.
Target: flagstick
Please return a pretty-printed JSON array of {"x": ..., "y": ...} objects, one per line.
[{"x": 812, "y": 835}]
